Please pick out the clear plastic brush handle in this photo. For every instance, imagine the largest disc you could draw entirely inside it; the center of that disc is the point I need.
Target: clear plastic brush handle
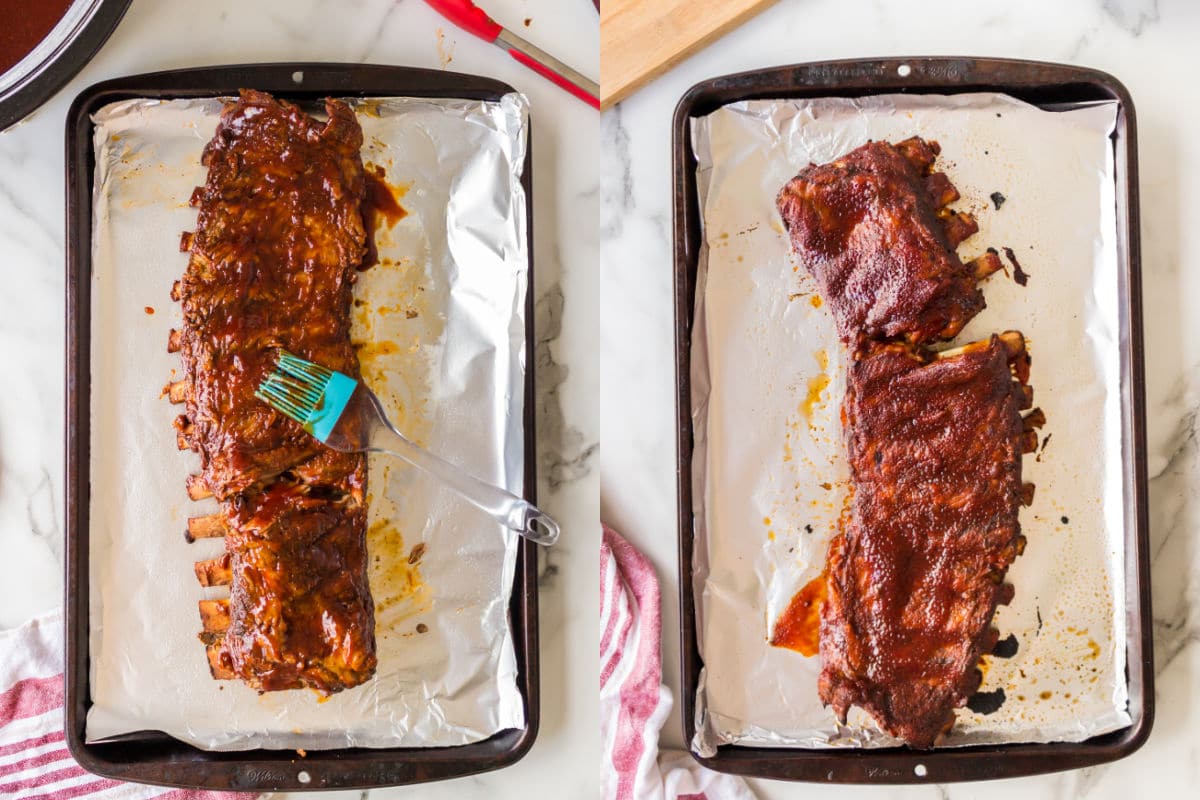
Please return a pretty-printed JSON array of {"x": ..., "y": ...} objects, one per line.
[{"x": 505, "y": 507}]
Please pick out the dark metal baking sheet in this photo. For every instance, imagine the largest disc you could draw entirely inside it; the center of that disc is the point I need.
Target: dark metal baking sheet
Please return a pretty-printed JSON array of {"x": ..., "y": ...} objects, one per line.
[
  {"x": 153, "y": 757},
  {"x": 1038, "y": 83}
]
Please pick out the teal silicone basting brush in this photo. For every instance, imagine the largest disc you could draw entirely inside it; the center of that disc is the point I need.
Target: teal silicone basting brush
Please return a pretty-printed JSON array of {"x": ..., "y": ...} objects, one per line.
[{"x": 345, "y": 415}]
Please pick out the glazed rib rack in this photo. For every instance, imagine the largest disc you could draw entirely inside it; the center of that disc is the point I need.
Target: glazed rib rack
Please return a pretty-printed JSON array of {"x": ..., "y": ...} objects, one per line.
[
  {"x": 272, "y": 263},
  {"x": 917, "y": 570},
  {"x": 934, "y": 439},
  {"x": 875, "y": 230}
]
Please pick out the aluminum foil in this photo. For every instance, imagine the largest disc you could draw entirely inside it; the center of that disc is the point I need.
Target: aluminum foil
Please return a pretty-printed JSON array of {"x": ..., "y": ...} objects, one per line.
[
  {"x": 768, "y": 375},
  {"x": 441, "y": 328}
]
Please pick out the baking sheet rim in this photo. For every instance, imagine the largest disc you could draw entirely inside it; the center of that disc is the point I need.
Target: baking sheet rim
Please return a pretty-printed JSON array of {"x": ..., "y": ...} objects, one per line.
[
  {"x": 1029, "y": 80},
  {"x": 183, "y": 765}
]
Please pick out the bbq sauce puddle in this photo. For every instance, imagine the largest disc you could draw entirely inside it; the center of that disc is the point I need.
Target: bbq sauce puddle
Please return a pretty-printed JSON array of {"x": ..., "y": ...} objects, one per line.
[
  {"x": 799, "y": 627},
  {"x": 381, "y": 207}
]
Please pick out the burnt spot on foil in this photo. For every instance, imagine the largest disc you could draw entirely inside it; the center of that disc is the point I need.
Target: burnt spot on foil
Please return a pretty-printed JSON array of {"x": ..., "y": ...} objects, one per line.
[
  {"x": 987, "y": 702},
  {"x": 1045, "y": 441},
  {"x": 1019, "y": 275},
  {"x": 1006, "y": 647}
]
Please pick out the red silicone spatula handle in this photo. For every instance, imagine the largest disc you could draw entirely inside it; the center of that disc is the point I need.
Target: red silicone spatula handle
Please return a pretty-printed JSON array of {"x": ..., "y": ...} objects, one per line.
[
  {"x": 469, "y": 17},
  {"x": 553, "y": 76}
]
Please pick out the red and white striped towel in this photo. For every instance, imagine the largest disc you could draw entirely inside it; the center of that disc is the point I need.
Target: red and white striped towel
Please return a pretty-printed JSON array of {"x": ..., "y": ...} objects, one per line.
[
  {"x": 633, "y": 702},
  {"x": 34, "y": 761}
]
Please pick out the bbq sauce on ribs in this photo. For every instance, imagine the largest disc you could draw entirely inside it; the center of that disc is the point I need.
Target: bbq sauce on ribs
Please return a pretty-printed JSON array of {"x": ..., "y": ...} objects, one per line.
[
  {"x": 273, "y": 260},
  {"x": 868, "y": 228},
  {"x": 916, "y": 573}
]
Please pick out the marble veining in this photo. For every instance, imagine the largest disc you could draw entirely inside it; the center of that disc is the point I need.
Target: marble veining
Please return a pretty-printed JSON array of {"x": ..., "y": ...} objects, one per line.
[
  {"x": 43, "y": 515},
  {"x": 564, "y": 454},
  {"x": 617, "y": 185},
  {"x": 1133, "y": 15}
]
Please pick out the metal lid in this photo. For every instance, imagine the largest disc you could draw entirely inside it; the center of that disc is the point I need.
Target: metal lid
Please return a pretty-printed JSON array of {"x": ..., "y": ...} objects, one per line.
[{"x": 66, "y": 49}]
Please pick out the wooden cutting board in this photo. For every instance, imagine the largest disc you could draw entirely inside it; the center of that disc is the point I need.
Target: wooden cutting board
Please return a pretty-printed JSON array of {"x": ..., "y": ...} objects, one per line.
[{"x": 641, "y": 39}]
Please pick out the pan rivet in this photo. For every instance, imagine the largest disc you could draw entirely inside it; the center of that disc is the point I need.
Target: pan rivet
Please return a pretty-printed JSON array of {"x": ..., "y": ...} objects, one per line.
[
  {"x": 920, "y": 770},
  {"x": 297, "y": 77},
  {"x": 904, "y": 70},
  {"x": 304, "y": 777}
]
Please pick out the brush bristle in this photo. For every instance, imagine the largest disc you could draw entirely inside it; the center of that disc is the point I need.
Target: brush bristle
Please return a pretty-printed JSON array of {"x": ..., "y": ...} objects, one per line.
[
  {"x": 295, "y": 387},
  {"x": 301, "y": 369}
]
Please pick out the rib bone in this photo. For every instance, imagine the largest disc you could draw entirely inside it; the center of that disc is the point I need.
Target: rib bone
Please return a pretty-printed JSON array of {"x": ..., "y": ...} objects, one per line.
[
  {"x": 985, "y": 265},
  {"x": 959, "y": 226},
  {"x": 178, "y": 391},
  {"x": 214, "y": 615},
  {"x": 1013, "y": 341},
  {"x": 941, "y": 189},
  {"x": 197, "y": 489},
  {"x": 209, "y": 527},
  {"x": 1026, "y": 397},
  {"x": 214, "y": 662},
  {"x": 919, "y": 152},
  {"x": 214, "y": 571}
]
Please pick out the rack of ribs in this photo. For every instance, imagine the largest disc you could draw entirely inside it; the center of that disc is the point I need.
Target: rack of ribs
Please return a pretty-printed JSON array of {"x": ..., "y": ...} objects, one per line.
[
  {"x": 917, "y": 571},
  {"x": 272, "y": 264},
  {"x": 874, "y": 230}
]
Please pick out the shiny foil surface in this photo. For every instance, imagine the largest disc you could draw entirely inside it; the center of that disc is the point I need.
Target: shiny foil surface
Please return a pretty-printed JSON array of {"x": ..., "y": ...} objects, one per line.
[
  {"x": 439, "y": 324},
  {"x": 768, "y": 375}
]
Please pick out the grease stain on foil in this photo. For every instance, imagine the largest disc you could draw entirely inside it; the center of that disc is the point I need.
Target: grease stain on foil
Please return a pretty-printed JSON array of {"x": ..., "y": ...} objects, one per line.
[
  {"x": 396, "y": 583},
  {"x": 816, "y": 386}
]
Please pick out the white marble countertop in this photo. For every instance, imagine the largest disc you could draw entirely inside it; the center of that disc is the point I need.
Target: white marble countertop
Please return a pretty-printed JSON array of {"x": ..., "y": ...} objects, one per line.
[
  {"x": 1150, "y": 45},
  {"x": 168, "y": 34}
]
